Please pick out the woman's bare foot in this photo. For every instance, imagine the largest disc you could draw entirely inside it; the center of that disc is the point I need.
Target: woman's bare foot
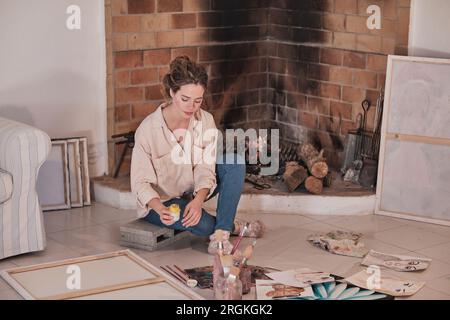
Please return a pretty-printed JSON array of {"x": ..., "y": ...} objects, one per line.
[
  {"x": 255, "y": 229},
  {"x": 219, "y": 240}
]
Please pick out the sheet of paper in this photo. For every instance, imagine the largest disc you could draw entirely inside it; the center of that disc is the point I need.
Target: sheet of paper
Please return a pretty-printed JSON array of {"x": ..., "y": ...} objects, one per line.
[
  {"x": 373, "y": 280},
  {"x": 340, "y": 242},
  {"x": 395, "y": 262},
  {"x": 302, "y": 277},
  {"x": 270, "y": 289}
]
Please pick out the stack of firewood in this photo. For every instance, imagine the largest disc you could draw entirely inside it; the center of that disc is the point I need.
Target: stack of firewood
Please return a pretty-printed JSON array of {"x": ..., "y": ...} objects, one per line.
[{"x": 312, "y": 170}]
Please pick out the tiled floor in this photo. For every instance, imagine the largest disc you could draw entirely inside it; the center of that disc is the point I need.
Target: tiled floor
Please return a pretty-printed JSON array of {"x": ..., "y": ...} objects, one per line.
[{"x": 95, "y": 229}]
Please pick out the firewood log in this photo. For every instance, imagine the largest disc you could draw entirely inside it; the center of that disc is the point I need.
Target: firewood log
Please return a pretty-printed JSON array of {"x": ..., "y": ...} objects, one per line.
[
  {"x": 294, "y": 175},
  {"x": 313, "y": 159},
  {"x": 314, "y": 185}
]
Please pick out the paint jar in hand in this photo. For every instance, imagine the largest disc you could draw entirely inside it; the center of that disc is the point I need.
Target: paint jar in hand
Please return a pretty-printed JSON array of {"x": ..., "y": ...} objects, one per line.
[{"x": 175, "y": 211}]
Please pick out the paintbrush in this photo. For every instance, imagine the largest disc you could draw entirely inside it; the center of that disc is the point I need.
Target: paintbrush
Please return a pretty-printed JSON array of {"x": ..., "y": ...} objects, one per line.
[
  {"x": 177, "y": 273},
  {"x": 186, "y": 281},
  {"x": 173, "y": 275},
  {"x": 234, "y": 274},
  {"x": 248, "y": 252},
  {"x": 241, "y": 235},
  {"x": 181, "y": 270},
  {"x": 190, "y": 282},
  {"x": 227, "y": 262}
]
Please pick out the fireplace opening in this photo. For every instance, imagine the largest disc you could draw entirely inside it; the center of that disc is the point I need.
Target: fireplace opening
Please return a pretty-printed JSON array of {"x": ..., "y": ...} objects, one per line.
[{"x": 302, "y": 67}]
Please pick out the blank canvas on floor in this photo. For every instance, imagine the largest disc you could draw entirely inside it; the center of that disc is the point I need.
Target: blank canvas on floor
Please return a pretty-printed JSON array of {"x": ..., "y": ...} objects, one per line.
[{"x": 116, "y": 275}]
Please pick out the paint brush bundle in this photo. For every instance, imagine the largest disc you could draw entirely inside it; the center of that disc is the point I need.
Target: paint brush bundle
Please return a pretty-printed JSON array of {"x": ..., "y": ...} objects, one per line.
[
  {"x": 246, "y": 272},
  {"x": 180, "y": 275},
  {"x": 232, "y": 275}
]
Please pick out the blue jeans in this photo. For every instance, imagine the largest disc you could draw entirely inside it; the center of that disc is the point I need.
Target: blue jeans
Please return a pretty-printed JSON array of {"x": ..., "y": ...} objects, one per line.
[{"x": 230, "y": 182}]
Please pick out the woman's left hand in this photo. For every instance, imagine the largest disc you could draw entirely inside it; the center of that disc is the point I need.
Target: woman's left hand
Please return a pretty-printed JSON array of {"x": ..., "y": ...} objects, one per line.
[{"x": 192, "y": 213}]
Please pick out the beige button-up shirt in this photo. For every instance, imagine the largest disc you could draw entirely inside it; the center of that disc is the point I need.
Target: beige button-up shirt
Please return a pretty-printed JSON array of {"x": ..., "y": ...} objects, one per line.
[{"x": 163, "y": 168}]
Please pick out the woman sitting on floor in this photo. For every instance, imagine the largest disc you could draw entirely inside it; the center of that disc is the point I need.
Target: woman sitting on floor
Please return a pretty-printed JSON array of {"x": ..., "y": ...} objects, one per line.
[{"x": 173, "y": 162}]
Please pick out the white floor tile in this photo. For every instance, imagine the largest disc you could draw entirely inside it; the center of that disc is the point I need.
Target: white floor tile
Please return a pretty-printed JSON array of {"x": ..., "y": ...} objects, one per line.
[
  {"x": 381, "y": 246},
  {"x": 66, "y": 220},
  {"x": 9, "y": 294},
  {"x": 3, "y": 285},
  {"x": 441, "y": 284},
  {"x": 323, "y": 218},
  {"x": 410, "y": 238},
  {"x": 90, "y": 240},
  {"x": 274, "y": 221},
  {"x": 101, "y": 213},
  {"x": 7, "y": 263},
  {"x": 440, "y": 252},
  {"x": 53, "y": 252},
  {"x": 426, "y": 294},
  {"x": 367, "y": 225},
  {"x": 435, "y": 228}
]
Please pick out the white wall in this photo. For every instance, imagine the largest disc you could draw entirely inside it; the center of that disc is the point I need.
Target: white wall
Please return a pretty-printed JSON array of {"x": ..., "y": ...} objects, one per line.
[
  {"x": 52, "y": 77},
  {"x": 429, "y": 34}
]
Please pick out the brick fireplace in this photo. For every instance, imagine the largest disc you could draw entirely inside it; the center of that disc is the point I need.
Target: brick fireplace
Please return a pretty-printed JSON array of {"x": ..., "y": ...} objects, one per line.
[{"x": 302, "y": 66}]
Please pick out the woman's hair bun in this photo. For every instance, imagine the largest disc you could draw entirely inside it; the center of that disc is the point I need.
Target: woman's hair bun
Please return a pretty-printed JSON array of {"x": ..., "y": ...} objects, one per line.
[{"x": 184, "y": 71}]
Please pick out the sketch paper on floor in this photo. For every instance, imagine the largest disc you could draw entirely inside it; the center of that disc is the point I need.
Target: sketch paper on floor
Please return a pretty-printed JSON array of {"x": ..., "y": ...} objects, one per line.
[
  {"x": 385, "y": 283},
  {"x": 340, "y": 242},
  {"x": 270, "y": 289},
  {"x": 302, "y": 277},
  {"x": 396, "y": 262}
]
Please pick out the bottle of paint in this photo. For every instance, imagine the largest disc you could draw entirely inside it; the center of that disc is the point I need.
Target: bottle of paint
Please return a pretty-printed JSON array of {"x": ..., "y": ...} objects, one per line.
[{"x": 175, "y": 211}]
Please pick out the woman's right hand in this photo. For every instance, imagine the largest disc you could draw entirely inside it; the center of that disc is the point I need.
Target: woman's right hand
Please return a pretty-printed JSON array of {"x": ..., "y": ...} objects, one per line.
[
  {"x": 162, "y": 210},
  {"x": 165, "y": 216}
]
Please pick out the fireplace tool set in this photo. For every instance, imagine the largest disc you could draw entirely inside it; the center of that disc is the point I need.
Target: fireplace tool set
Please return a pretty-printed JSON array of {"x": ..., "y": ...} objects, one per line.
[{"x": 362, "y": 147}]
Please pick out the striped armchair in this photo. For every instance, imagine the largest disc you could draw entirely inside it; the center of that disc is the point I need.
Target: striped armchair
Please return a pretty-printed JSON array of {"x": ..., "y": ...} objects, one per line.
[{"x": 23, "y": 149}]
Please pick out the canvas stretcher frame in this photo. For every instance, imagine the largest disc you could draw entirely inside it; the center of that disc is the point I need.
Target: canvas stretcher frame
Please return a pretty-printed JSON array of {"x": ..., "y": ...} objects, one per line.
[
  {"x": 75, "y": 165},
  {"x": 75, "y": 178},
  {"x": 85, "y": 171},
  {"x": 389, "y": 136},
  {"x": 158, "y": 277},
  {"x": 59, "y": 147}
]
